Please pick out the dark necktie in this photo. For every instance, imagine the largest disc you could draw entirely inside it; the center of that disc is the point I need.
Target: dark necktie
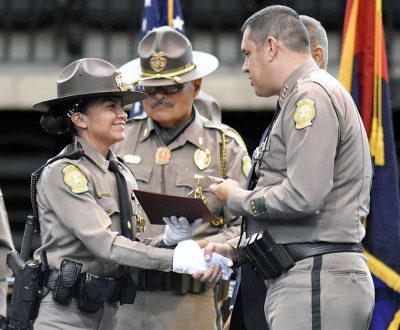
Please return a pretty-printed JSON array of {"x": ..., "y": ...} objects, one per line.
[
  {"x": 251, "y": 178},
  {"x": 128, "y": 287},
  {"x": 125, "y": 205}
]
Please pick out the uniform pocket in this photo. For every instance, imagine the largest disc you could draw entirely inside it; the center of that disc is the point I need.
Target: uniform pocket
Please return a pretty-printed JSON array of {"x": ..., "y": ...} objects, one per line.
[
  {"x": 185, "y": 179},
  {"x": 353, "y": 275},
  {"x": 109, "y": 205},
  {"x": 141, "y": 173}
]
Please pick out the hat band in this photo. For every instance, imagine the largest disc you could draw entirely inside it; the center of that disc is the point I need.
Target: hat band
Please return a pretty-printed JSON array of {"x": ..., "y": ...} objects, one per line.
[{"x": 172, "y": 76}]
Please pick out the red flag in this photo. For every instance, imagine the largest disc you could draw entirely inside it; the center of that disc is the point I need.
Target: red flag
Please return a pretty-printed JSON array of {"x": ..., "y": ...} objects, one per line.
[{"x": 363, "y": 71}]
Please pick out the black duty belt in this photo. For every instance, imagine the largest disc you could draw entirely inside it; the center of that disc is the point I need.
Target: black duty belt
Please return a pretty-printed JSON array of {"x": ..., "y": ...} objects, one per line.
[
  {"x": 299, "y": 251},
  {"x": 92, "y": 290},
  {"x": 155, "y": 280},
  {"x": 52, "y": 278},
  {"x": 270, "y": 259}
]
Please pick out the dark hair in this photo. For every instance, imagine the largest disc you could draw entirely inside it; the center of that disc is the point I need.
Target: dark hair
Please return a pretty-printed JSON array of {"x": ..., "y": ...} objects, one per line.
[
  {"x": 58, "y": 119},
  {"x": 282, "y": 23}
]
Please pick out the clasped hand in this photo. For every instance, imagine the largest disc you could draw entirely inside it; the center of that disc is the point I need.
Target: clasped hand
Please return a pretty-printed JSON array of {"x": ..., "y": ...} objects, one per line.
[{"x": 189, "y": 259}]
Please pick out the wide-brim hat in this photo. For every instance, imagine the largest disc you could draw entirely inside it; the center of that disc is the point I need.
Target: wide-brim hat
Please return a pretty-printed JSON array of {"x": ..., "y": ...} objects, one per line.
[
  {"x": 87, "y": 78},
  {"x": 166, "y": 57}
]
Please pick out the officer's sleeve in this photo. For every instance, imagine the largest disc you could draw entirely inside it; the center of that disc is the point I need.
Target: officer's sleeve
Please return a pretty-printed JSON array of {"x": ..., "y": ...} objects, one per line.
[
  {"x": 310, "y": 155},
  {"x": 80, "y": 213}
]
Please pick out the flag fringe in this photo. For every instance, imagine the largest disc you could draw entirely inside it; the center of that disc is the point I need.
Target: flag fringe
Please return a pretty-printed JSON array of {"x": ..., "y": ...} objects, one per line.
[
  {"x": 395, "y": 324},
  {"x": 383, "y": 272}
]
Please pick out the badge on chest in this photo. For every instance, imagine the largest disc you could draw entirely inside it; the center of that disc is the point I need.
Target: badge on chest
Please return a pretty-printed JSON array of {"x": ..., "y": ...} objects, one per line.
[
  {"x": 202, "y": 158},
  {"x": 163, "y": 155}
]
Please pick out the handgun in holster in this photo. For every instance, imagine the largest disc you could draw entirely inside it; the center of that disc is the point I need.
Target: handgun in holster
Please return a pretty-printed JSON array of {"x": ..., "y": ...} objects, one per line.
[
  {"x": 29, "y": 275},
  {"x": 27, "y": 290},
  {"x": 268, "y": 258}
]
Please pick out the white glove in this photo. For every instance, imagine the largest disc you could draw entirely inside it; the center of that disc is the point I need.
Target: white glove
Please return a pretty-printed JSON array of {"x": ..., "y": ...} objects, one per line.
[
  {"x": 225, "y": 263},
  {"x": 178, "y": 230},
  {"x": 188, "y": 258}
]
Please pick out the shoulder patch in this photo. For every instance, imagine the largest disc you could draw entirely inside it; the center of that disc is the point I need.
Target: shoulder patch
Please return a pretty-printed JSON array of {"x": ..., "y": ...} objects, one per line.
[
  {"x": 304, "y": 113},
  {"x": 228, "y": 131},
  {"x": 75, "y": 179}
]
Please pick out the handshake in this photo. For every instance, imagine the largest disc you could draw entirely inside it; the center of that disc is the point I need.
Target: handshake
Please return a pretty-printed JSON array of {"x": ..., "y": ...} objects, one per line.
[
  {"x": 189, "y": 259},
  {"x": 188, "y": 256}
]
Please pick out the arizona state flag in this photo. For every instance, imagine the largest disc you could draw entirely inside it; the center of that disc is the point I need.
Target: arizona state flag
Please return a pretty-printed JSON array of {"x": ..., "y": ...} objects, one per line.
[{"x": 364, "y": 72}]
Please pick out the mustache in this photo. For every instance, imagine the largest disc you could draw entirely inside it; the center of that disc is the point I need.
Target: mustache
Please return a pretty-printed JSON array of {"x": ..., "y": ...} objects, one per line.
[{"x": 159, "y": 102}]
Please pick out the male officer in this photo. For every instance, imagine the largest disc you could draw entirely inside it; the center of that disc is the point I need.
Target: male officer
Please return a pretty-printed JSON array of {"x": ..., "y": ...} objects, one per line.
[
  {"x": 248, "y": 312},
  {"x": 173, "y": 150},
  {"x": 318, "y": 40},
  {"x": 311, "y": 180},
  {"x": 6, "y": 245}
]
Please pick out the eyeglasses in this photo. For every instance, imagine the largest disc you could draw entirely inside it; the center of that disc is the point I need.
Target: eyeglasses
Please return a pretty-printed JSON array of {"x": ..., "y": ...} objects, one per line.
[{"x": 169, "y": 89}]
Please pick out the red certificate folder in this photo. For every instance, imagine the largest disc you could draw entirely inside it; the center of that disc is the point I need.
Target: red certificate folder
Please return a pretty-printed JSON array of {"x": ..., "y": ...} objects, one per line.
[{"x": 158, "y": 206}]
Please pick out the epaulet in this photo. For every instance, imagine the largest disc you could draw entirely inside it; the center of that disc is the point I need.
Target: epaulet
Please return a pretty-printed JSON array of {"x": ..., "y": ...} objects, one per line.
[
  {"x": 71, "y": 151},
  {"x": 139, "y": 117},
  {"x": 228, "y": 131},
  {"x": 326, "y": 81}
]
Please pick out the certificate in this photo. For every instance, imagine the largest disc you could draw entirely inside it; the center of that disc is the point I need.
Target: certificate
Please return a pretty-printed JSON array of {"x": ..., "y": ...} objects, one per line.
[{"x": 156, "y": 206}]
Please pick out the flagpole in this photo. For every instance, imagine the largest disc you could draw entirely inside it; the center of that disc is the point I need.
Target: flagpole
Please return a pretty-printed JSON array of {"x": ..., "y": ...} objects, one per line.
[{"x": 170, "y": 12}]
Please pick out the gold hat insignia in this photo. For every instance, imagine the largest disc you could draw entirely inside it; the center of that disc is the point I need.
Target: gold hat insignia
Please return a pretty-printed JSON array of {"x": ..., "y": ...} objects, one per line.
[
  {"x": 120, "y": 84},
  {"x": 158, "y": 61},
  {"x": 304, "y": 113}
]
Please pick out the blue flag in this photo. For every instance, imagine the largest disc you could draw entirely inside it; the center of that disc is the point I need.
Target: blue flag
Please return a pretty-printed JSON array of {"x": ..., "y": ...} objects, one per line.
[
  {"x": 158, "y": 13},
  {"x": 364, "y": 72}
]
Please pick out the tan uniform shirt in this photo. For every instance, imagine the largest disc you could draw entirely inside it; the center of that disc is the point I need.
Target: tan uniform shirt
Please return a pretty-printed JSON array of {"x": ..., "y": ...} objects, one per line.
[
  {"x": 188, "y": 159},
  {"x": 315, "y": 172},
  {"x": 6, "y": 243},
  {"x": 79, "y": 217}
]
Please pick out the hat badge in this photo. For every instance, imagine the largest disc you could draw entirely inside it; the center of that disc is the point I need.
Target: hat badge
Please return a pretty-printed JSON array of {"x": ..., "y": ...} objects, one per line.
[
  {"x": 120, "y": 84},
  {"x": 158, "y": 61}
]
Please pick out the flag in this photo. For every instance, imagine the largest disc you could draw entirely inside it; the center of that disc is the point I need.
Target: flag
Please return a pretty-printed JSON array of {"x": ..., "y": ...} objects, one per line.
[
  {"x": 364, "y": 72},
  {"x": 158, "y": 13}
]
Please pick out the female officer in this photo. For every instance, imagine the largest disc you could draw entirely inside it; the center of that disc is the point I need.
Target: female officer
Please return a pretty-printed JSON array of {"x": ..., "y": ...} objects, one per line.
[{"x": 85, "y": 202}]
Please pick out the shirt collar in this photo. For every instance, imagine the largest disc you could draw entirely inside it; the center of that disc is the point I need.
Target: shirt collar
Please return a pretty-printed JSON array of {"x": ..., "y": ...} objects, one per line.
[
  {"x": 293, "y": 78},
  {"x": 95, "y": 156},
  {"x": 194, "y": 133}
]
